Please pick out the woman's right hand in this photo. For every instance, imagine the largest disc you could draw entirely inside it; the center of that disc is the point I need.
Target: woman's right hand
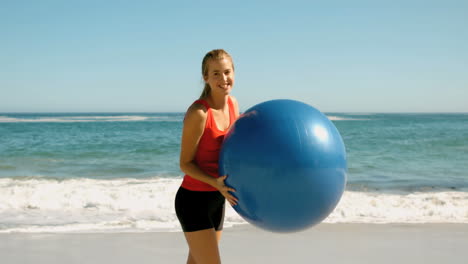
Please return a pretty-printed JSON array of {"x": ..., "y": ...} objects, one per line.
[{"x": 225, "y": 190}]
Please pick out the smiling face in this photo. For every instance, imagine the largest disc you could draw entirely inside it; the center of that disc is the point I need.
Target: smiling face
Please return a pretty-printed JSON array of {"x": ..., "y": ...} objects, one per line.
[{"x": 220, "y": 75}]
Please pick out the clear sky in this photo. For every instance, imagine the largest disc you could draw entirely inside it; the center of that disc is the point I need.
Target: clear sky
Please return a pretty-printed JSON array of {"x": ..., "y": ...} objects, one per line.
[{"x": 145, "y": 56}]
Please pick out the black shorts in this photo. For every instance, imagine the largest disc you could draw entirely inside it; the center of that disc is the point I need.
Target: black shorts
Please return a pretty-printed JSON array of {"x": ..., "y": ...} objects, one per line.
[{"x": 199, "y": 210}]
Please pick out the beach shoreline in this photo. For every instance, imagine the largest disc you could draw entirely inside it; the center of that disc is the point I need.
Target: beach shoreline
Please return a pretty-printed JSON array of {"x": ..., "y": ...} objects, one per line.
[{"x": 324, "y": 243}]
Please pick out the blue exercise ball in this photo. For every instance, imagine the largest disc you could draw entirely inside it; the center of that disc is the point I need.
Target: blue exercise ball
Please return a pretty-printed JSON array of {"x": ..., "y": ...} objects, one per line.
[{"x": 287, "y": 162}]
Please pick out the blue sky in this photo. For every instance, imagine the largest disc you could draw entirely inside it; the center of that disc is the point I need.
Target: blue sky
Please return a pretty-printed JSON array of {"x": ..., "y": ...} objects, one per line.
[{"x": 145, "y": 56}]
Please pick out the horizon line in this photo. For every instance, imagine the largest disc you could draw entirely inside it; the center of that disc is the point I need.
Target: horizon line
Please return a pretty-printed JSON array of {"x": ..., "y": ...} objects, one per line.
[{"x": 178, "y": 112}]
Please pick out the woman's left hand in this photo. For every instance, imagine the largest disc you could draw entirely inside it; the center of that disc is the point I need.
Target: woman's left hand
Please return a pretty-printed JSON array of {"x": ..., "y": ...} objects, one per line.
[{"x": 226, "y": 190}]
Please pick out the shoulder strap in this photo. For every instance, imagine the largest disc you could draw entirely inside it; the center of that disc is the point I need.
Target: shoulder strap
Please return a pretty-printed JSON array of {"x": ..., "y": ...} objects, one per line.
[
  {"x": 202, "y": 102},
  {"x": 232, "y": 112}
]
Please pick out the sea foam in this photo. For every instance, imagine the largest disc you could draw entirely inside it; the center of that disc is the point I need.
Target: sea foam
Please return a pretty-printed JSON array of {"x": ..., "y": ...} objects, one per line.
[{"x": 140, "y": 205}]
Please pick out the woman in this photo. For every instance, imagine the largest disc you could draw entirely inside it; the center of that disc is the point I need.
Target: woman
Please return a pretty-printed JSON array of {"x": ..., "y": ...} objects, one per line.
[{"x": 200, "y": 200}]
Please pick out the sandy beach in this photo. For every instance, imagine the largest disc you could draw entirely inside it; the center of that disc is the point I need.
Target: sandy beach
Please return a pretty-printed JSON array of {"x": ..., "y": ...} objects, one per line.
[{"x": 325, "y": 243}]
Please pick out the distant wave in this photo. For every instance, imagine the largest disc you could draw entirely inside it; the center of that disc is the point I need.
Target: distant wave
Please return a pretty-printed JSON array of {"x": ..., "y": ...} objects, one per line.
[
  {"x": 140, "y": 205},
  {"x": 340, "y": 118},
  {"x": 119, "y": 118},
  {"x": 71, "y": 119}
]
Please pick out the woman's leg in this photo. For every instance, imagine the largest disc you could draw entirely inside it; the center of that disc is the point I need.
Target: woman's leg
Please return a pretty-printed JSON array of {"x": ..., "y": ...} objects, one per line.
[
  {"x": 191, "y": 260},
  {"x": 203, "y": 246}
]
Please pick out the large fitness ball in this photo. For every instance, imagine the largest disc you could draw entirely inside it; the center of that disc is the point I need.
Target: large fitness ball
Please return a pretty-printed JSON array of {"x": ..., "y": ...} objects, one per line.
[{"x": 287, "y": 162}]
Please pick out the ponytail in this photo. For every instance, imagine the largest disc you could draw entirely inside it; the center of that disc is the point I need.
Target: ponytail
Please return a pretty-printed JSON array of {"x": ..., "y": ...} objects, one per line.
[{"x": 206, "y": 91}]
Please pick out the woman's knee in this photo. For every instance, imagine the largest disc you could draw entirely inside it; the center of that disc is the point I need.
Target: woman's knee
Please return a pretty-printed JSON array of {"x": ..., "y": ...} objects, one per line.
[{"x": 203, "y": 246}]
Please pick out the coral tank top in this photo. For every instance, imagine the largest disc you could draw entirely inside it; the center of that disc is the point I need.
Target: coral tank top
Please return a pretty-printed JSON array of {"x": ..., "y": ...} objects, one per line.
[{"x": 207, "y": 154}]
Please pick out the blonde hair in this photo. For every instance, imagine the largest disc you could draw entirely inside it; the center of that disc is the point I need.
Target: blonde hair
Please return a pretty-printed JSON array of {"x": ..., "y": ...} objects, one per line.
[{"x": 216, "y": 54}]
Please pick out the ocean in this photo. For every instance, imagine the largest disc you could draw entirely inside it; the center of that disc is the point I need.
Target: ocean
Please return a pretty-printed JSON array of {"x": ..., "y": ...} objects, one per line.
[{"x": 119, "y": 172}]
